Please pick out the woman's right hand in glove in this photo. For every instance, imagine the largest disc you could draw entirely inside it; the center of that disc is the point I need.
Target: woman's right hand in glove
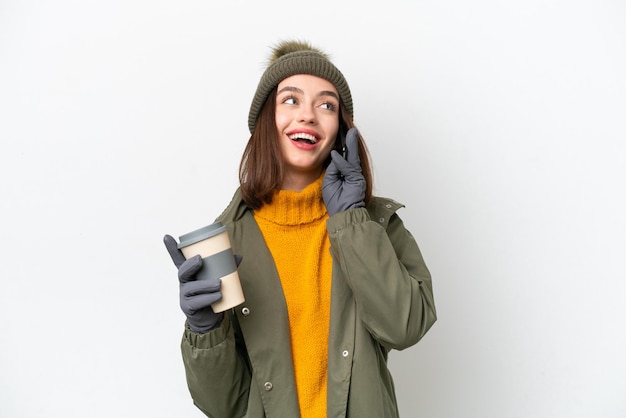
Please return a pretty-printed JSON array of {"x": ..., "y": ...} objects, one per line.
[{"x": 196, "y": 296}]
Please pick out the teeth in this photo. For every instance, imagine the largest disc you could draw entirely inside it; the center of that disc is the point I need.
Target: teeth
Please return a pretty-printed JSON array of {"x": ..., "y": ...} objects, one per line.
[{"x": 304, "y": 136}]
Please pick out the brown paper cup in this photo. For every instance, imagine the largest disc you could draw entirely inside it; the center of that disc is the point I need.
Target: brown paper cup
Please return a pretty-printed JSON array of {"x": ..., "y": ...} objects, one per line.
[{"x": 213, "y": 245}]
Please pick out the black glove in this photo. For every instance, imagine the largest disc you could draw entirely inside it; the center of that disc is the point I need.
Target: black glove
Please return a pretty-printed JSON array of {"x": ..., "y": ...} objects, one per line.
[
  {"x": 343, "y": 187},
  {"x": 196, "y": 296}
]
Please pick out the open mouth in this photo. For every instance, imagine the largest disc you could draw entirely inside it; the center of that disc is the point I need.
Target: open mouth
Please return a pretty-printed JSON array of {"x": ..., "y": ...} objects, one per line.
[{"x": 302, "y": 137}]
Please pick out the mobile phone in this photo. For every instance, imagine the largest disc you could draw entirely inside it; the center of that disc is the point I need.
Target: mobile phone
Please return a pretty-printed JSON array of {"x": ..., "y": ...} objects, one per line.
[{"x": 344, "y": 150}]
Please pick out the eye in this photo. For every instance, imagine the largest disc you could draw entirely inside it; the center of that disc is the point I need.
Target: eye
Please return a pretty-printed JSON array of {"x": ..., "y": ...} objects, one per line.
[
  {"x": 289, "y": 100},
  {"x": 328, "y": 106}
]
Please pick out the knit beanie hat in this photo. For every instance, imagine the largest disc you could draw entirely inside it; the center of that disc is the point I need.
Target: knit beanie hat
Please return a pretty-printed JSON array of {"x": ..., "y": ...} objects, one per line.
[{"x": 294, "y": 57}]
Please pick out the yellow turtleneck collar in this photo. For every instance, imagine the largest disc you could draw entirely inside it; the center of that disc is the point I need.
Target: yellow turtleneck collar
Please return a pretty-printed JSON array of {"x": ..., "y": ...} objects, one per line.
[{"x": 290, "y": 207}]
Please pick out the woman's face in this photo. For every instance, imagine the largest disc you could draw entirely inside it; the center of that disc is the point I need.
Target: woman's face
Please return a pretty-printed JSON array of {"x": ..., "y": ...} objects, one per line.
[{"x": 307, "y": 118}]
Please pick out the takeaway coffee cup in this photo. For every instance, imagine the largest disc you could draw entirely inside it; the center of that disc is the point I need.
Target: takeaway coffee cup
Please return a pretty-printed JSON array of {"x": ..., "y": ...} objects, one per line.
[{"x": 213, "y": 245}]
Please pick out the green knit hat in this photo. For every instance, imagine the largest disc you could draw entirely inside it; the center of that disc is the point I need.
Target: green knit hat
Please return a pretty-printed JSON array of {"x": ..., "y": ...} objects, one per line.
[{"x": 295, "y": 57}]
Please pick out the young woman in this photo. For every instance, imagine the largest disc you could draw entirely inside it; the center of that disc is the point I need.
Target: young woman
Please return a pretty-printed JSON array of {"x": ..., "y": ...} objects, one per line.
[{"x": 332, "y": 279}]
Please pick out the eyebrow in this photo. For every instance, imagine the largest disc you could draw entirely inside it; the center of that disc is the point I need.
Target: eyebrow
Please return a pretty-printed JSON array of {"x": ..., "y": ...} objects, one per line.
[{"x": 297, "y": 90}]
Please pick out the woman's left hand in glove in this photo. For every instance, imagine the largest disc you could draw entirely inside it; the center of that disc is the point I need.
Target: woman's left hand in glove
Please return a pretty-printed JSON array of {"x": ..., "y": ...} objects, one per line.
[{"x": 343, "y": 186}]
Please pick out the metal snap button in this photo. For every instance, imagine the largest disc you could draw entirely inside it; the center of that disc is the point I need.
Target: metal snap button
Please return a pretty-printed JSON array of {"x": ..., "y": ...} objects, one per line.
[
  {"x": 245, "y": 311},
  {"x": 268, "y": 386}
]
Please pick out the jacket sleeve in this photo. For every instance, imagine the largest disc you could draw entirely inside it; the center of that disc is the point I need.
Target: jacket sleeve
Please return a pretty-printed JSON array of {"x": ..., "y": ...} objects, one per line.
[
  {"x": 384, "y": 268},
  {"x": 217, "y": 377}
]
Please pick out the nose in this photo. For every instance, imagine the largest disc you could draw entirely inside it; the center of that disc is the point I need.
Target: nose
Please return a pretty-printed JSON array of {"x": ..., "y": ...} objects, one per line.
[{"x": 306, "y": 115}]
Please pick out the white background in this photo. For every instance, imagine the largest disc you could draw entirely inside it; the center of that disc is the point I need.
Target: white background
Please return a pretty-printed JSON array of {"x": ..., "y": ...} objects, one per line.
[{"x": 500, "y": 125}]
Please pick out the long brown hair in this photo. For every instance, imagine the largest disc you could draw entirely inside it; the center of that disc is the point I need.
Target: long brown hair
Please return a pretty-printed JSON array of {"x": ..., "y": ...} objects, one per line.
[{"x": 261, "y": 169}]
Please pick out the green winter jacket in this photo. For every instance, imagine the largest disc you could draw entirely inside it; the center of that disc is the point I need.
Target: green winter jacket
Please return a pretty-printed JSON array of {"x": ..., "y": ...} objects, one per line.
[{"x": 381, "y": 299}]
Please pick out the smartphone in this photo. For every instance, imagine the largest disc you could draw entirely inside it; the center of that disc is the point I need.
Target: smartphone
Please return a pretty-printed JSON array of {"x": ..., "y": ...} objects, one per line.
[{"x": 344, "y": 150}]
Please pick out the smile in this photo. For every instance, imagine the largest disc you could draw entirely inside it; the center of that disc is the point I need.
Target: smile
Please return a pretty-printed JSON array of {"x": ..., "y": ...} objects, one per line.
[{"x": 302, "y": 137}]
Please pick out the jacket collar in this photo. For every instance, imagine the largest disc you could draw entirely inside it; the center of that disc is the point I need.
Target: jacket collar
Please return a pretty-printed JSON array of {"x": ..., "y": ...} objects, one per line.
[
  {"x": 380, "y": 208},
  {"x": 235, "y": 209}
]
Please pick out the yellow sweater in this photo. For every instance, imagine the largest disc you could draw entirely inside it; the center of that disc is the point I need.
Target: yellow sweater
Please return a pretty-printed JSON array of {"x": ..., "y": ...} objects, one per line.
[{"x": 294, "y": 228}]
